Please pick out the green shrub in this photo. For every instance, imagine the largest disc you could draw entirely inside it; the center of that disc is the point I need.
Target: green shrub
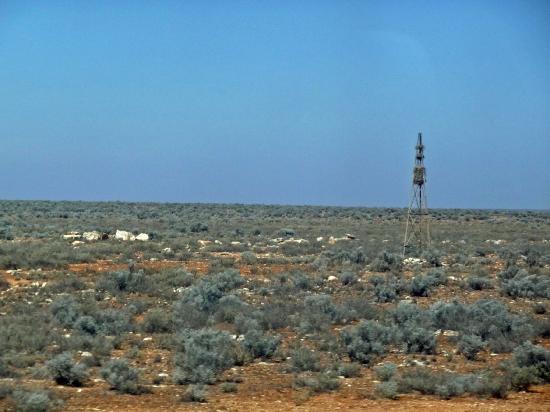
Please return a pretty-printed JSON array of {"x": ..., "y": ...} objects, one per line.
[
  {"x": 386, "y": 261},
  {"x": 304, "y": 359},
  {"x": 248, "y": 258},
  {"x": 229, "y": 387},
  {"x": 348, "y": 278},
  {"x": 386, "y": 371},
  {"x": 259, "y": 344},
  {"x": 479, "y": 283},
  {"x": 66, "y": 310},
  {"x": 318, "y": 313},
  {"x": 488, "y": 319},
  {"x": 527, "y": 285},
  {"x": 470, "y": 345},
  {"x": 124, "y": 282},
  {"x": 521, "y": 378},
  {"x": 202, "y": 355},
  {"x": 195, "y": 393},
  {"x": 418, "y": 340},
  {"x": 35, "y": 401},
  {"x": 387, "y": 389},
  {"x": 319, "y": 383},
  {"x": 157, "y": 321},
  {"x": 122, "y": 377},
  {"x": 229, "y": 307},
  {"x": 65, "y": 372},
  {"x": 529, "y": 355},
  {"x": 349, "y": 370},
  {"x": 86, "y": 325},
  {"x": 366, "y": 341}
]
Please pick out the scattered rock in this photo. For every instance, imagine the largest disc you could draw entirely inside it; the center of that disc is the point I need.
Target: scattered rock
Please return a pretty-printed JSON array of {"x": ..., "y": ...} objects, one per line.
[
  {"x": 91, "y": 236},
  {"x": 72, "y": 236},
  {"x": 124, "y": 235},
  {"x": 144, "y": 237}
]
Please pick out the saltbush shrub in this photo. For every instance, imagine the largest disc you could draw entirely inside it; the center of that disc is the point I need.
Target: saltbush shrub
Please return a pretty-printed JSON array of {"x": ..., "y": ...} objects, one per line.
[
  {"x": 124, "y": 282},
  {"x": 529, "y": 355},
  {"x": 202, "y": 355},
  {"x": 158, "y": 321},
  {"x": 470, "y": 346},
  {"x": 65, "y": 371},
  {"x": 122, "y": 377},
  {"x": 195, "y": 393},
  {"x": 386, "y": 371},
  {"x": 259, "y": 344},
  {"x": 66, "y": 310},
  {"x": 366, "y": 341},
  {"x": 387, "y": 389},
  {"x": 304, "y": 359},
  {"x": 527, "y": 285},
  {"x": 319, "y": 383},
  {"x": 488, "y": 319},
  {"x": 386, "y": 261}
]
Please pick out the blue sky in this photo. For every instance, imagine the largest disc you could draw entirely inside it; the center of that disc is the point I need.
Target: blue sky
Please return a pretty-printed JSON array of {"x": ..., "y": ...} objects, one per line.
[{"x": 288, "y": 102}]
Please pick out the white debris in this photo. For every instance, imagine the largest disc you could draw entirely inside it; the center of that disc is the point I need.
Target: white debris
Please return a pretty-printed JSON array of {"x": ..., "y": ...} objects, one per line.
[
  {"x": 450, "y": 333},
  {"x": 218, "y": 242},
  {"x": 320, "y": 239},
  {"x": 332, "y": 240},
  {"x": 72, "y": 236},
  {"x": 124, "y": 235},
  {"x": 91, "y": 236},
  {"x": 77, "y": 243},
  {"x": 167, "y": 250},
  {"x": 86, "y": 355},
  {"x": 147, "y": 339},
  {"x": 413, "y": 261},
  {"x": 143, "y": 237},
  {"x": 203, "y": 243},
  {"x": 332, "y": 278}
]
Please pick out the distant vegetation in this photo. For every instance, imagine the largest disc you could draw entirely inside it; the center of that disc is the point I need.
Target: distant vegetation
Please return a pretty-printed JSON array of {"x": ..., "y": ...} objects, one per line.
[{"x": 219, "y": 287}]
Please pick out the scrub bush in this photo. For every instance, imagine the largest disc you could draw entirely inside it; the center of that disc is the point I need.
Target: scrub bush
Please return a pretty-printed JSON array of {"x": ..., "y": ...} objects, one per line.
[{"x": 65, "y": 372}]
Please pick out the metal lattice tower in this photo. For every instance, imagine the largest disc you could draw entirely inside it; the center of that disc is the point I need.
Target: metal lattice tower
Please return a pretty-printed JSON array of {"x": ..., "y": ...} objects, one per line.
[{"x": 417, "y": 229}]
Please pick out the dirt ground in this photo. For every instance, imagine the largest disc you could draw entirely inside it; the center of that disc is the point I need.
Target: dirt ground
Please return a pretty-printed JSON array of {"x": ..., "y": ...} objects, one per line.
[
  {"x": 265, "y": 387},
  {"x": 264, "y": 391}
]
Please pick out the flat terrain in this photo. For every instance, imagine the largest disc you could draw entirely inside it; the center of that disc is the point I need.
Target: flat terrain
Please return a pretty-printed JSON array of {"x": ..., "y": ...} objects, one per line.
[{"x": 299, "y": 308}]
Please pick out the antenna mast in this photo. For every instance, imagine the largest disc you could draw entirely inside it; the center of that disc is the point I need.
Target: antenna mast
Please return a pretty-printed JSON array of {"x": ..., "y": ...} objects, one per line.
[{"x": 417, "y": 229}]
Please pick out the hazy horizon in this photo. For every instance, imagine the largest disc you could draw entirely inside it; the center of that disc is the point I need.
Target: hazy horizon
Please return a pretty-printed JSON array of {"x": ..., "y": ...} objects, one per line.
[{"x": 287, "y": 103}]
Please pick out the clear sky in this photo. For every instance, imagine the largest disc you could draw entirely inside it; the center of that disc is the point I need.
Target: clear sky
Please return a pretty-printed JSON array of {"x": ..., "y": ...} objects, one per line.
[{"x": 288, "y": 102}]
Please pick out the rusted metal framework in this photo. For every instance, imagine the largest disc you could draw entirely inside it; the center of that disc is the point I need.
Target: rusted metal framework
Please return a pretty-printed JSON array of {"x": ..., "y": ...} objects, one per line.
[{"x": 417, "y": 229}]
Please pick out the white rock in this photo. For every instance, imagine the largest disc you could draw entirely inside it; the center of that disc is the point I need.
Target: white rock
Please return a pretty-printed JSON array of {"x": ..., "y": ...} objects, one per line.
[
  {"x": 143, "y": 237},
  {"x": 203, "y": 243},
  {"x": 320, "y": 239},
  {"x": 124, "y": 235},
  {"x": 332, "y": 278},
  {"x": 91, "y": 236},
  {"x": 167, "y": 250},
  {"x": 147, "y": 339},
  {"x": 72, "y": 236}
]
